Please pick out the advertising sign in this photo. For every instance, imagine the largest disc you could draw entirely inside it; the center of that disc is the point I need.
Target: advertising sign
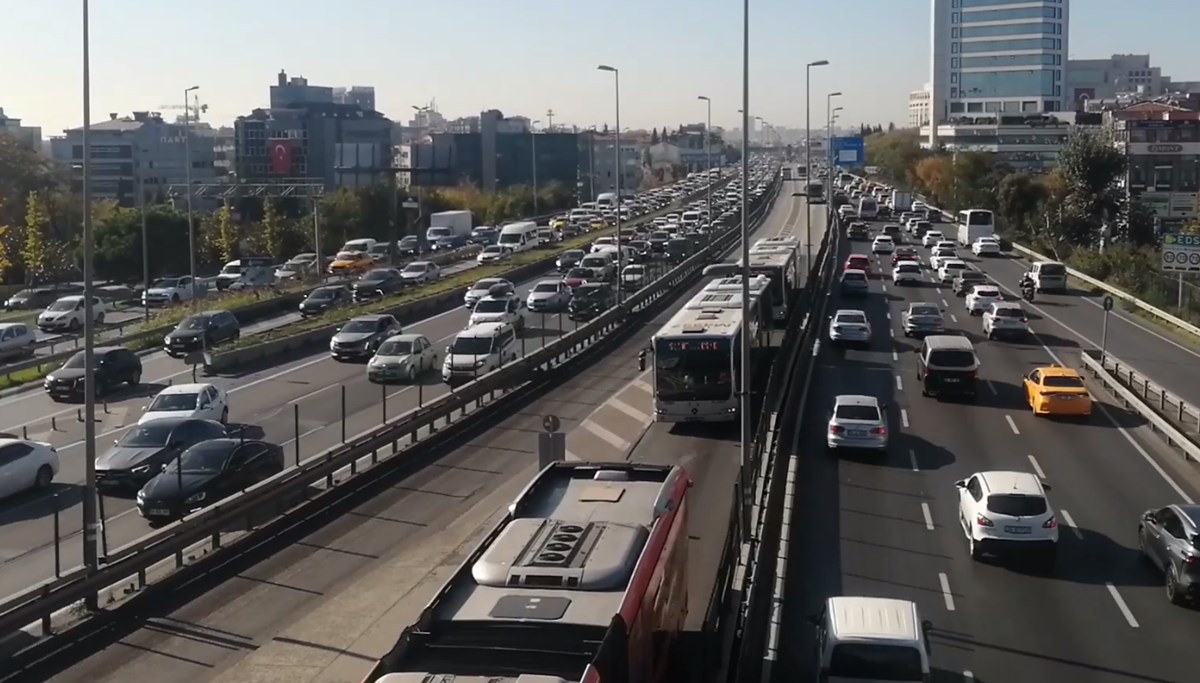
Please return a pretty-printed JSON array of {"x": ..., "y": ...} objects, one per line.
[{"x": 1181, "y": 253}]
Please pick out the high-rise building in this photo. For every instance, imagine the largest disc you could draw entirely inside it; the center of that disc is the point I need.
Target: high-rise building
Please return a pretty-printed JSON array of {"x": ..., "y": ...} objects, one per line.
[
  {"x": 998, "y": 57},
  {"x": 918, "y": 107},
  {"x": 1118, "y": 75},
  {"x": 361, "y": 95}
]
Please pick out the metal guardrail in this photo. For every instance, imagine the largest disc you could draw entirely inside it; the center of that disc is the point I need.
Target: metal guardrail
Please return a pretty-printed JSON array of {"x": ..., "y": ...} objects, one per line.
[
  {"x": 1168, "y": 414},
  {"x": 41, "y": 602}
]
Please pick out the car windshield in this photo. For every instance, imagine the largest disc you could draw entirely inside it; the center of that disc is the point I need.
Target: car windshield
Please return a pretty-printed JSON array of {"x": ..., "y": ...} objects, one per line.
[
  {"x": 1016, "y": 505},
  {"x": 954, "y": 265},
  {"x": 347, "y": 255},
  {"x": 573, "y": 254},
  {"x": 193, "y": 322},
  {"x": 546, "y": 287},
  {"x": 205, "y": 457},
  {"x": 1053, "y": 269},
  {"x": 491, "y": 306},
  {"x": 972, "y": 275},
  {"x": 147, "y": 436},
  {"x": 59, "y": 306},
  {"x": 589, "y": 293},
  {"x": 848, "y": 412},
  {"x": 582, "y": 273},
  {"x": 987, "y": 291},
  {"x": 471, "y": 346},
  {"x": 494, "y": 250},
  {"x": 951, "y": 358},
  {"x": 360, "y": 326},
  {"x": 75, "y": 361},
  {"x": 1063, "y": 382},
  {"x": 484, "y": 285},
  {"x": 635, "y": 270},
  {"x": 166, "y": 283},
  {"x": 908, "y": 268},
  {"x": 850, "y": 319},
  {"x": 1009, "y": 312},
  {"x": 171, "y": 402},
  {"x": 873, "y": 662},
  {"x": 395, "y": 348},
  {"x": 418, "y": 267},
  {"x": 302, "y": 259},
  {"x": 883, "y": 238}
]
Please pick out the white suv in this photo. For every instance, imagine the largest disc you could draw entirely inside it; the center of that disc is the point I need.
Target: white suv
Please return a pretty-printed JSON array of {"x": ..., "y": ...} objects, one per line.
[
  {"x": 982, "y": 297},
  {"x": 507, "y": 308},
  {"x": 1007, "y": 511},
  {"x": 1005, "y": 319}
]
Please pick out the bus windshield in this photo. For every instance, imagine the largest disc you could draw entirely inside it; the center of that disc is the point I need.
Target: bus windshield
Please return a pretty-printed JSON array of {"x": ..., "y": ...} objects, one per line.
[{"x": 693, "y": 369}]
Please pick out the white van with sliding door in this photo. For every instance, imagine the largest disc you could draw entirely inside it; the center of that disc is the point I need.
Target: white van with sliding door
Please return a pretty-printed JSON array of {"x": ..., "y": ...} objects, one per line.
[
  {"x": 867, "y": 639},
  {"x": 520, "y": 236}
]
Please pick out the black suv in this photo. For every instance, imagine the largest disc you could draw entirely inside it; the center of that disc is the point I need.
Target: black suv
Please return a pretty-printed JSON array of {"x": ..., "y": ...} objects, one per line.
[
  {"x": 201, "y": 331},
  {"x": 115, "y": 365},
  {"x": 325, "y": 298},
  {"x": 377, "y": 283},
  {"x": 590, "y": 300}
]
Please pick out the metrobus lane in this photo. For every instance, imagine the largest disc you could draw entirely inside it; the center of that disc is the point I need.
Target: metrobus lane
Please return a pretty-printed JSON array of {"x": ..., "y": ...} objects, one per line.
[
  {"x": 1102, "y": 479},
  {"x": 263, "y": 403}
]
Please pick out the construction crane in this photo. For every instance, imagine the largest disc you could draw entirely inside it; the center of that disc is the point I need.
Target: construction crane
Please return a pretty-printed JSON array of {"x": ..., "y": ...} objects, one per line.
[{"x": 194, "y": 110}]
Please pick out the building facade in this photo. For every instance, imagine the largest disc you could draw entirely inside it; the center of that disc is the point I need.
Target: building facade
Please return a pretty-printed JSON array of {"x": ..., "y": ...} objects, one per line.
[
  {"x": 497, "y": 162},
  {"x": 919, "y": 107},
  {"x": 1124, "y": 74},
  {"x": 601, "y": 158},
  {"x": 137, "y": 152},
  {"x": 30, "y": 135},
  {"x": 362, "y": 96},
  {"x": 1021, "y": 142},
  {"x": 998, "y": 57},
  {"x": 1162, "y": 145}
]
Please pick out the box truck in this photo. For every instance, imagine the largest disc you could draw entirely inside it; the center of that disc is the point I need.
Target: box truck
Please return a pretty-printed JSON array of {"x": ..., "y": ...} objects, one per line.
[{"x": 448, "y": 224}]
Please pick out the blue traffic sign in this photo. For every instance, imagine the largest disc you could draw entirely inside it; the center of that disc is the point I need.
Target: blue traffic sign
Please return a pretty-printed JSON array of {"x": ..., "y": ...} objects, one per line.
[{"x": 850, "y": 152}]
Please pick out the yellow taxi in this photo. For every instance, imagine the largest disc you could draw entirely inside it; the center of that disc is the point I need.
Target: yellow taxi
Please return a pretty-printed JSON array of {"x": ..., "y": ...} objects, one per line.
[
  {"x": 351, "y": 263},
  {"x": 558, "y": 224},
  {"x": 1055, "y": 390},
  {"x": 599, "y": 224}
]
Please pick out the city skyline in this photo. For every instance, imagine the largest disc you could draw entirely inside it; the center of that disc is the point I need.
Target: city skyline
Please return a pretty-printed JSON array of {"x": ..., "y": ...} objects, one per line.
[{"x": 540, "y": 65}]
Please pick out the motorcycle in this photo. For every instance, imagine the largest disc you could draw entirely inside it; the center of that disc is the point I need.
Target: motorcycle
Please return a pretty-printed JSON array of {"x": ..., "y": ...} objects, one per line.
[{"x": 1027, "y": 292}]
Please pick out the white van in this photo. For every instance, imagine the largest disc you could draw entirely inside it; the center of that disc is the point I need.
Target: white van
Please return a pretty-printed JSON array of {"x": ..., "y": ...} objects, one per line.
[
  {"x": 871, "y": 639},
  {"x": 478, "y": 350},
  {"x": 364, "y": 245},
  {"x": 520, "y": 236},
  {"x": 546, "y": 235},
  {"x": 606, "y": 200},
  {"x": 690, "y": 220},
  {"x": 1049, "y": 276},
  {"x": 868, "y": 208}
]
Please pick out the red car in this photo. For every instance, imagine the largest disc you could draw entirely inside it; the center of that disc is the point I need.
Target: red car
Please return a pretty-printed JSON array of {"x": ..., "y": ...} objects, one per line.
[
  {"x": 578, "y": 276},
  {"x": 858, "y": 262}
]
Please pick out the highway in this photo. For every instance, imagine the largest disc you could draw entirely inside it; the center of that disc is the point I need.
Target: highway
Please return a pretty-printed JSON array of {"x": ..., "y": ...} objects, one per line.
[
  {"x": 328, "y": 605},
  {"x": 889, "y": 527}
]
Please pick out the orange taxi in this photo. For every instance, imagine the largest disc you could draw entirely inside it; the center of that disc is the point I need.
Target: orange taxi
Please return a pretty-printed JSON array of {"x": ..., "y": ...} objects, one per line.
[
  {"x": 351, "y": 263},
  {"x": 1057, "y": 391}
]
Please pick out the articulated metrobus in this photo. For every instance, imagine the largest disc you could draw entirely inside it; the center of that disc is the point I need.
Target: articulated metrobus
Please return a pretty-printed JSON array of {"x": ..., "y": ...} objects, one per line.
[
  {"x": 759, "y": 287},
  {"x": 782, "y": 265},
  {"x": 697, "y": 359}
]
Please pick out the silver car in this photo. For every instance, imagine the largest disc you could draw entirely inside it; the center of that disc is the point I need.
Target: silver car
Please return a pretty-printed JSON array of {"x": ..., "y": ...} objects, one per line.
[
  {"x": 920, "y": 319},
  {"x": 849, "y": 327},
  {"x": 857, "y": 422},
  {"x": 1170, "y": 538}
]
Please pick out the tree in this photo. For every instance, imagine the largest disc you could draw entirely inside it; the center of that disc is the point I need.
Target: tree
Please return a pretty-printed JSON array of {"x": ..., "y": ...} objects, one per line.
[
  {"x": 118, "y": 243},
  {"x": 37, "y": 252},
  {"x": 654, "y": 137},
  {"x": 934, "y": 176},
  {"x": 891, "y": 127},
  {"x": 896, "y": 155},
  {"x": 226, "y": 233},
  {"x": 23, "y": 169},
  {"x": 1019, "y": 196},
  {"x": 1091, "y": 166},
  {"x": 1138, "y": 228},
  {"x": 272, "y": 229}
]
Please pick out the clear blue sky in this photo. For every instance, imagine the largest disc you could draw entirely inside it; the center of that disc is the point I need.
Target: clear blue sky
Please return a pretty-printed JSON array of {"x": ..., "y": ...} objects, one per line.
[{"x": 522, "y": 58}]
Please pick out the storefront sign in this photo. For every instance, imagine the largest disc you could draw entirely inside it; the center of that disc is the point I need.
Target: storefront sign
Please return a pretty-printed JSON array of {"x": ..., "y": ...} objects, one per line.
[{"x": 1164, "y": 148}]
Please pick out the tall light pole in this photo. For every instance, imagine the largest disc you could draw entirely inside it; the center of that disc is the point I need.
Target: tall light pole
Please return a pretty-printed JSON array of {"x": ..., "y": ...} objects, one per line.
[
  {"x": 619, "y": 169},
  {"x": 187, "y": 175},
  {"x": 592, "y": 164},
  {"x": 91, "y": 521},
  {"x": 744, "y": 380},
  {"x": 808, "y": 156},
  {"x": 708, "y": 181},
  {"x": 145, "y": 242},
  {"x": 533, "y": 153},
  {"x": 829, "y": 113}
]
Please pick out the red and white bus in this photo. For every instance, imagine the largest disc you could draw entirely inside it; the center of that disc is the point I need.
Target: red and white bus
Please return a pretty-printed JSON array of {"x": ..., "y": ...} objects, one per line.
[{"x": 584, "y": 581}]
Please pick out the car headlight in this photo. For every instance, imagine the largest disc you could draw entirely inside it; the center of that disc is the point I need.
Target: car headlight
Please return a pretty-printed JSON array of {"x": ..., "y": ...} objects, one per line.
[
  {"x": 167, "y": 340},
  {"x": 195, "y": 498},
  {"x": 480, "y": 363},
  {"x": 141, "y": 495}
]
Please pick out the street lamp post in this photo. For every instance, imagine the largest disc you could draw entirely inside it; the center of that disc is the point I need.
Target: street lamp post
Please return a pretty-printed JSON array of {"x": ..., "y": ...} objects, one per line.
[
  {"x": 91, "y": 521},
  {"x": 592, "y": 164},
  {"x": 187, "y": 174},
  {"x": 808, "y": 156},
  {"x": 619, "y": 170},
  {"x": 708, "y": 181},
  {"x": 145, "y": 244},
  {"x": 829, "y": 114},
  {"x": 745, "y": 446},
  {"x": 533, "y": 146}
]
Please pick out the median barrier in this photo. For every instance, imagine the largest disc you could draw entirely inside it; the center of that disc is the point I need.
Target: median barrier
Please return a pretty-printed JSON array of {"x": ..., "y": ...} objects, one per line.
[{"x": 209, "y": 526}]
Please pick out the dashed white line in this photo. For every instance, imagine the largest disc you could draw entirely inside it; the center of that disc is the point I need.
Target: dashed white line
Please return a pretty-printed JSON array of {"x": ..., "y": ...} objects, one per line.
[
  {"x": 899, "y": 383},
  {"x": 1125, "y": 612},
  {"x": 816, "y": 348},
  {"x": 945, "y": 303},
  {"x": 889, "y": 315},
  {"x": 1012, "y": 425},
  {"x": 992, "y": 387},
  {"x": 937, "y": 289},
  {"x": 1037, "y": 468},
  {"x": 953, "y": 318},
  {"x": 895, "y": 356},
  {"x": 912, "y": 459},
  {"x": 904, "y": 417},
  {"x": 1066, "y": 517},
  {"x": 925, "y": 512},
  {"x": 949, "y": 597},
  {"x": 892, "y": 332}
]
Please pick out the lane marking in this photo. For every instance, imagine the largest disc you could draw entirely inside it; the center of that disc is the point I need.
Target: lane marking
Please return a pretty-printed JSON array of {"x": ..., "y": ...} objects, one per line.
[
  {"x": 606, "y": 435},
  {"x": 968, "y": 677},
  {"x": 925, "y": 512},
  {"x": 937, "y": 289},
  {"x": 1037, "y": 467},
  {"x": 895, "y": 356},
  {"x": 635, "y": 413},
  {"x": 1012, "y": 425},
  {"x": 904, "y": 417},
  {"x": 912, "y": 459},
  {"x": 945, "y": 303},
  {"x": 892, "y": 332},
  {"x": 1125, "y": 611},
  {"x": 991, "y": 387},
  {"x": 889, "y": 315},
  {"x": 953, "y": 318},
  {"x": 945, "y": 581},
  {"x": 899, "y": 383},
  {"x": 1066, "y": 517}
]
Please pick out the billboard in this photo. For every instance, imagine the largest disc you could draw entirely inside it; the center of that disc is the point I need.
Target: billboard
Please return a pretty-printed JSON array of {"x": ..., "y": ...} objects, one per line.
[
  {"x": 281, "y": 156},
  {"x": 850, "y": 152}
]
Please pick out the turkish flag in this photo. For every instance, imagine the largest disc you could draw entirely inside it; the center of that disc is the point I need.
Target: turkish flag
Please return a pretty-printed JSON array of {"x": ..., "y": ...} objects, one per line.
[{"x": 281, "y": 156}]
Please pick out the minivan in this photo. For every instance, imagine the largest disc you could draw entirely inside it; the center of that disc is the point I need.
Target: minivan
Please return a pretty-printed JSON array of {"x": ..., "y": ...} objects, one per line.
[
  {"x": 947, "y": 366},
  {"x": 478, "y": 350},
  {"x": 1049, "y": 276},
  {"x": 870, "y": 639}
]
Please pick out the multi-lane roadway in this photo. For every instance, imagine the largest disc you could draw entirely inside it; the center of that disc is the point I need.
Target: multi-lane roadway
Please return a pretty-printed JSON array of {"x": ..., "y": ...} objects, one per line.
[
  {"x": 327, "y": 606},
  {"x": 889, "y": 527}
]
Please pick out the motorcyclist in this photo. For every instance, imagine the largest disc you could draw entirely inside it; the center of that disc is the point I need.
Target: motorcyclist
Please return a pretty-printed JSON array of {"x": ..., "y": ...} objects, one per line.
[{"x": 1027, "y": 285}]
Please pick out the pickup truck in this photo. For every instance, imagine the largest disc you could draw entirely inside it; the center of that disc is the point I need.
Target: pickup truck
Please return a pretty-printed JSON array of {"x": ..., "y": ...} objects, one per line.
[{"x": 172, "y": 290}]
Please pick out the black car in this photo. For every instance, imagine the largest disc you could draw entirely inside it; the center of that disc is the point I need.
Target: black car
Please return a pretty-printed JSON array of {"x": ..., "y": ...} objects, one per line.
[
  {"x": 569, "y": 259},
  {"x": 857, "y": 231},
  {"x": 201, "y": 331},
  {"x": 39, "y": 297},
  {"x": 115, "y": 365},
  {"x": 324, "y": 298},
  {"x": 141, "y": 454},
  {"x": 205, "y": 473},
  {"x": 377, "y": 283},
  {"x": 409, "y": 246},
  {"x": 590, "y": 300}
]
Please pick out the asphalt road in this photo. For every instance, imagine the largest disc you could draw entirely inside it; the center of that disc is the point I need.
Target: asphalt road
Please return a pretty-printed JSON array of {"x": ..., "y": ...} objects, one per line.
[
  {"x": 864, "y": 526},
  {"x": 327, "y": 607}
]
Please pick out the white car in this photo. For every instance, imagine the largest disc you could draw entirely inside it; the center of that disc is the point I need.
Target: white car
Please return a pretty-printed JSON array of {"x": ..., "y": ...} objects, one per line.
[
  {"x": 420, "y": 273},
  {"x": 403, "y": 357},
  {"x": 485, "y": 287},
  {"x": 883, "y": 244},
  {"x": 905, "y": 272},
  {"x": 26, "y": 465},
  {"x": 931, "y": 238},
  {"x": 199, "y": 401},
  {"x": 849, "y": 327},
  {"x": 67, "y": 314},
  {"x": 846, "y": 211},
  {"x": 1005, "y": 319},
  {"x": 981, "y": 298},
  {"x": 492, "y": 254},
  {"x": 950, "y": 270},
  {"x": 946, "y": 244},
  {"x": 601, "y": 243},
  {"x": 1001, "y": 511},
  {"x": 940, "y": 256},
  {"x": 633, "y": 277},
  {"x": 986, "y": 246},
  {"x": 506, "y": 308},
  {"x": 548, "y": 296}
]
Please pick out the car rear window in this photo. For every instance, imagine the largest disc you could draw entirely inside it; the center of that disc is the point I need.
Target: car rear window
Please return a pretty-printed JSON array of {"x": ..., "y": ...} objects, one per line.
[
  {"x": 853, "y": 277},
  {"x": 951, "y": 358},
  {"x": 857, "y": 412},
  {"x": 1063, "y": 382},
  {"x": 1016, "y": 505},
  {"x": 1053, "y": 269},
  {"x": 871, "y": 662},
  {"x": 1009, "y": 313}
]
